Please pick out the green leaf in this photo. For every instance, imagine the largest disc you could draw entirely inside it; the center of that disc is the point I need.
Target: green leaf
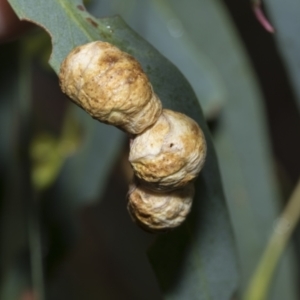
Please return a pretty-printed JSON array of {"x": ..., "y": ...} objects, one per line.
[
  {"x": 285, "y": 18},
  {"x": 158, "y": 24},
  {"x": 9, "y": 94},
  {"x": 83, "y": 175},
  {"x": 241, "y": 139},
  {"x": 207, "y": 263},
  {"x": 13, "y": 217},
  {"x": 18, "y": 215},
  {"x": 15, "y": 284},
  {"x": 258, "y": 288}
]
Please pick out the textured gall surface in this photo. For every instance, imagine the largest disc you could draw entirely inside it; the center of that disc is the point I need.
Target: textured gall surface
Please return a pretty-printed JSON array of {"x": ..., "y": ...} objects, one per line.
[
  {"x": 170, "y": 154},
  {"x": 158, "y": 211},
  {"x": 111, "y": 86}
]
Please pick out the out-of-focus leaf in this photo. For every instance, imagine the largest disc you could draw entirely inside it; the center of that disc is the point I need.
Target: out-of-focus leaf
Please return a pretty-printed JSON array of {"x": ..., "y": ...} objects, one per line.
[
  {"x": 47, "y": 160},
  {"x": 9, "y": 90},
  {"x": 285, "y": 18},
  {"x": 83, "y": 175},
  {"x": 49, "y": 153},
  {"x": 242, "y": 141},
  {"x": 17, "y": 235},
  {"x": 13, "y": 234},
  {"x": 259, "y": 286},
  {"x": 38, "y": 45},
  {"x": 166, "y": 31},
  {"x": 16, "y": 280},
  {"x": 208, "y": 258},
  {"x": 253, "y": 218},
  {"x": 211, "y": 33}
]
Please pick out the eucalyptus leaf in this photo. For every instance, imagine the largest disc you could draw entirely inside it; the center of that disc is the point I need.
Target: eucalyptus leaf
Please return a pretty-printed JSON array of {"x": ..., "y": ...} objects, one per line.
[
  {"x": 83, "y": 175},
  {"x": 9, "y": 94},
  {"x": 241, "y": 141},
  {"x": 210, "y": 32},
  {"x": 157, "y": 23},
  {"x": 16, "y": 282},
  {"x": 207, "y": 260},
  {"x": 13, "y": 216},
  {"x": 285, "y": 18}
]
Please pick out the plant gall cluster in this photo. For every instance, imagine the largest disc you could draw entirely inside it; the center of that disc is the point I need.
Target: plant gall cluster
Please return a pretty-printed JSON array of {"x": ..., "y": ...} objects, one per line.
[{"x": 168, "y": 148}]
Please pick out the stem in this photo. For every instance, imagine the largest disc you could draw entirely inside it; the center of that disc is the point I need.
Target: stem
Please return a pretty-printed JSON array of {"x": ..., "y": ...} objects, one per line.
[{"x": 259, "y": 286}]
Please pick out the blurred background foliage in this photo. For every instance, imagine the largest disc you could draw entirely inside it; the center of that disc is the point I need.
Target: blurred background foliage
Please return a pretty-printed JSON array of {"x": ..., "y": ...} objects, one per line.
[{"x": 65, "y": 232}]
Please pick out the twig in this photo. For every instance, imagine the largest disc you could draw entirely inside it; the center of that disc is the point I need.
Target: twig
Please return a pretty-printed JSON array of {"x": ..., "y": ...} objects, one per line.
[{"x": 259, "y": 286}]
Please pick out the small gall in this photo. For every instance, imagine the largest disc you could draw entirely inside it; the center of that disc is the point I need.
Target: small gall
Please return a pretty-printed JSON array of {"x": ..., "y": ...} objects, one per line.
[
  {"x": 111, "y": 86},
  {"x": 157, "y": 211},
  {"x": 169, "y": 154}
]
